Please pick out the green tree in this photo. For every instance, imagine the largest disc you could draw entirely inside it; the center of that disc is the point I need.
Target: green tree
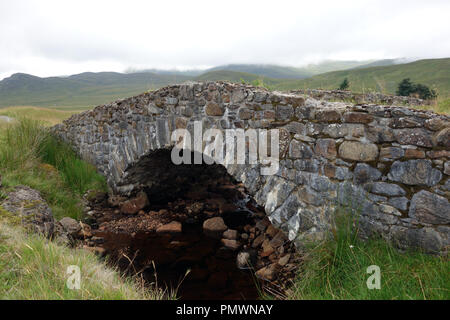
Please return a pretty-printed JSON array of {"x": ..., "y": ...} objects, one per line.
[
  {"x": 344, "y": 85},
  {"x": 405, "y": 87}
]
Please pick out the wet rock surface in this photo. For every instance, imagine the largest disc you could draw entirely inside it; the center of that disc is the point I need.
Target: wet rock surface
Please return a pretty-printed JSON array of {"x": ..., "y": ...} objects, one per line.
[{"x": 213, "y": 241}]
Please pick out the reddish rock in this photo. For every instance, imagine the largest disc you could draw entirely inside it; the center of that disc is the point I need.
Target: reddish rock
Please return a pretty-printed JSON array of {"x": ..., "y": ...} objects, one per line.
[
  {"x": 268, "y": 273},
  {"x": 328, "y": 115},
  {"x": 267, "y": 249},
  {"x": 214, "y": 227},
  {"x": 284, "y": 260},
  {"x": 231, "y": 234},
  {"x": 271, "y": 231},
  {"x": 245, "y": 114},
  {"x": 414, "y": 154},
  {"x": 133, "y": 206},
  {"x": 329, "y": 170},
  {"x": 438, "y": 154},
  {"x": 357, "y": 117},
  {"x": 181, "y": 123},
  {"x": 326, "y": 148},
  {"x": 85, "y": 231},
  {"x": 258, "y": 241},
  {"x": 278, "y": 240},
  {"x": 172, "y": 227},
  {"x": 213, "y": 109},
  {"x": 231, "y": 244}
]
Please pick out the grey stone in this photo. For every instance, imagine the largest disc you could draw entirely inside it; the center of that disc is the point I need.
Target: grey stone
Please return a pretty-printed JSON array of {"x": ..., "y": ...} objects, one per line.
[
  {"x": 391, "y": 153},
  {"x": 386, "y": 189},
  {"x": 343, "y": 173},
  {"x": 299, "y": 149},
  {"x": 423, "y": 238},
  {"x": 297, "y": 128},
  {"x": 443, "y": 138},
  {"x": 310, "y": 165},
  {"x": 430, "y": 208},
  {"x": 358, "y": 151},
  {"x": 400, "y": 203},
  {"x": 417, "y": 136},
  {"x": 284, "y": 112},
  {"x": 71, "y": 226},
  {"x": 364, "y": 173},
  {"x": 415, "y": 172},
  {"x": 32, "y": 210}
]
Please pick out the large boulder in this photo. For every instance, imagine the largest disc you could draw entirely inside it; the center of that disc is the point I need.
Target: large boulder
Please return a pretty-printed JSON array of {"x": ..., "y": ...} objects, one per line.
[{"x": 33, "y": 211}]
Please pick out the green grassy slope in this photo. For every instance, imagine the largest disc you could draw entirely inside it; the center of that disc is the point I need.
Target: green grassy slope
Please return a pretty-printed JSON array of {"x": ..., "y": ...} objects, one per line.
[
  {"x": 85, "y": 89},
  {"x": 434, "y": 73}
]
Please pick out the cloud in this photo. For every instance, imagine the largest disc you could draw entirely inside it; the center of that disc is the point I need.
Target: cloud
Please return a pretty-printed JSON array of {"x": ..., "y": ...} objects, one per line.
[{"x": 62, "y": 37}]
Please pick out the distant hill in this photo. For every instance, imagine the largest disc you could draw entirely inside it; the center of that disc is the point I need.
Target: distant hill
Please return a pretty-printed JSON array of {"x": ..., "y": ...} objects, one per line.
[
  {"x": 432, "y": 72},
  {"x": 84, "y": 89},
  {"x": 271, "y": 71},
  {"x": 90, "y": 89},
  {"x": 234, "y": 76},
  {"x": 283, "y": 72}
]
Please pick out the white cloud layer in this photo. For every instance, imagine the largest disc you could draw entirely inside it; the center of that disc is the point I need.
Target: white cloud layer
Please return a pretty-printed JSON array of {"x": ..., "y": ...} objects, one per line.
[{"x": 54, "y": 37}]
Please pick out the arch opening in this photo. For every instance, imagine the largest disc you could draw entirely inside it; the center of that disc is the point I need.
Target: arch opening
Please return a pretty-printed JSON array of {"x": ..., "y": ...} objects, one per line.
[{"x": 195, "y": 228}]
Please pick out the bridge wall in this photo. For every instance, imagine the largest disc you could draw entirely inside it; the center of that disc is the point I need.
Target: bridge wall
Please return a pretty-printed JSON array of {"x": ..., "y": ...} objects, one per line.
[{"x": 389, "y": 164}]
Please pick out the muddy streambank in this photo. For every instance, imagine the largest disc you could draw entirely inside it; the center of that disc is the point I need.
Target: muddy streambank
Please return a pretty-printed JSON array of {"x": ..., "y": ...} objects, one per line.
[{"x": 208, "y": 239}]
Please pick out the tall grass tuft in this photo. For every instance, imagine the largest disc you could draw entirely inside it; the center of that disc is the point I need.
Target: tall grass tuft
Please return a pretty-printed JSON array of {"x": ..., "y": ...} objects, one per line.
[
  {"x": 30, "y": 155},
  {"x": 337, "y": 269},
  {"x": 76, "y": 173}
]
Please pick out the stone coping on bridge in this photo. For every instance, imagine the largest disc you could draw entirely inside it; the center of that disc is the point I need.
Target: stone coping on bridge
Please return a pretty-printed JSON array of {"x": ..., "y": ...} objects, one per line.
[
  {"x": 389, "y": 165},
  {"x": 369, "y": 97}
]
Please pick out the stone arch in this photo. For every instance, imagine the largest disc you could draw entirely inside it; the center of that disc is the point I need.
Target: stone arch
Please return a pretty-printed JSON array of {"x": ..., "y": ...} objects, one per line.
[{"x": 393, "y": 162}]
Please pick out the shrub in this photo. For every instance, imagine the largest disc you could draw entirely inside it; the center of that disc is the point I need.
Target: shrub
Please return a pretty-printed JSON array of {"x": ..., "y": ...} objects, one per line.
[{"x": 408, "y": 88}]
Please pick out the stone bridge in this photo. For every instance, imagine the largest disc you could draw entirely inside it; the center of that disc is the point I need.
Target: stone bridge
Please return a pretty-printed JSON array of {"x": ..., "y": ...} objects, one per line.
[{"x": 389, "y": 164}]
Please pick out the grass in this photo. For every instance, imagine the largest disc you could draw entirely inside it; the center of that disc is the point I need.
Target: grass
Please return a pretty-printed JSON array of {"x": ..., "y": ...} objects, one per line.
[
  {"x": 385, "y": 79},
  {"x": 46, "y": 116},
  {"x": 30, "y": 155},
  {"x": 337, "y": 269},
  {"x": 32, "y": 267}
]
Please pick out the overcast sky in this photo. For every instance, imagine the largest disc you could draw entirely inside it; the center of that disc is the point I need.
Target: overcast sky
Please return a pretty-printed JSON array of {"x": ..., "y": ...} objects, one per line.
[{"x": 58, "y": 37}]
